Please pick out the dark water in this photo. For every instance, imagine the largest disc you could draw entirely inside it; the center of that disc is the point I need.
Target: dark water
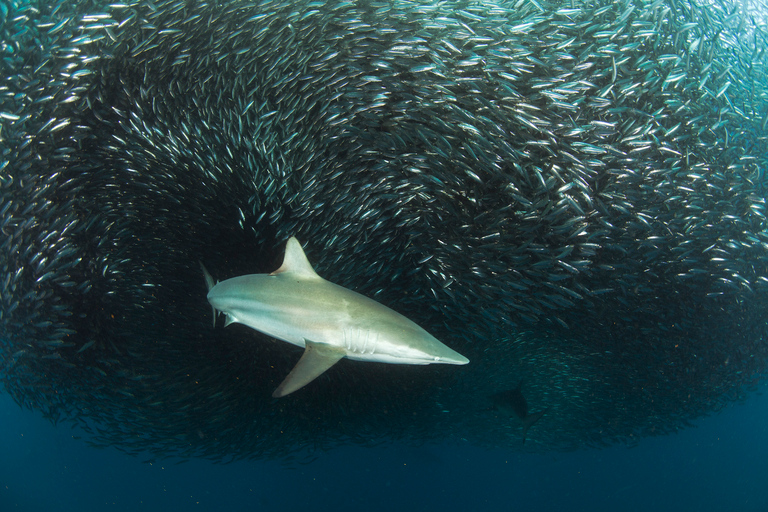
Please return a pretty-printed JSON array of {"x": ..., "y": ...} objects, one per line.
[
  {"x": 720, "y": 464},
  {"x": 658, "y": 314}
]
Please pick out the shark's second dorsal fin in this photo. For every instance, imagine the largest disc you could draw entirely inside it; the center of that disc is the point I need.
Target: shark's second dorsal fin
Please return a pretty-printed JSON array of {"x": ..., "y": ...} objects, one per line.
[{"x": 296, "y": 262}]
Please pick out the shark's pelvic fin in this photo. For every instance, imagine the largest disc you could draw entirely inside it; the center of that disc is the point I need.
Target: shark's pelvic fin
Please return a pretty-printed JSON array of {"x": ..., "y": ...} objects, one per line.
[
  {"x": 317, "y": 358},
  {"x": 210, "y": 284},
  {"x": 296, "y": 262}
]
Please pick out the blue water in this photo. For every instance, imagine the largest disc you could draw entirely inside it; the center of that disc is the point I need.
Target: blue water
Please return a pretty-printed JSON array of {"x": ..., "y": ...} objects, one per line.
[{"x": 721, "y": 464}]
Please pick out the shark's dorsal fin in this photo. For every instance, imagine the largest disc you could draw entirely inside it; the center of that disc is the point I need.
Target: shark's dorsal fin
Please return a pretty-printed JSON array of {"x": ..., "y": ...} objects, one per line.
[
  {"x": 317, "y": 358},
  {"x": 296, "y": 262}
]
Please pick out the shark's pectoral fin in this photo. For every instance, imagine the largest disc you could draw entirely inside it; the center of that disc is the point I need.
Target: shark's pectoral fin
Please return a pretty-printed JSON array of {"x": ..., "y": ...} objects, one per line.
[{"x": 317, "y": 358}]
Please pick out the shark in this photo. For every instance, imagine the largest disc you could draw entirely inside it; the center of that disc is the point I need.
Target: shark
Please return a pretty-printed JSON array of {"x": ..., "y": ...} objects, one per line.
[
  {"x": 512, "y": 402},
  {"x": 294, "y": 304}
]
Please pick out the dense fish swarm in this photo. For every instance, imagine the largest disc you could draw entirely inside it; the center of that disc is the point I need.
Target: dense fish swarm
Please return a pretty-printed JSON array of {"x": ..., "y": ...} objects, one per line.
[{"x": 570, "y": 194}]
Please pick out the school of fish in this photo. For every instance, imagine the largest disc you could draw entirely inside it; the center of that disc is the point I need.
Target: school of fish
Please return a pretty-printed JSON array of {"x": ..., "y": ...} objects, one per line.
[{"x": 568, "y": 194}]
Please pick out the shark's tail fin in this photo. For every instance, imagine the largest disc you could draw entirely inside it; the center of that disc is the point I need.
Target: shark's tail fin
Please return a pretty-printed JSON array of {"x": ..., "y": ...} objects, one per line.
[
  {"x": 529, "y": 420},
  {"x": 210, "y": 284}
]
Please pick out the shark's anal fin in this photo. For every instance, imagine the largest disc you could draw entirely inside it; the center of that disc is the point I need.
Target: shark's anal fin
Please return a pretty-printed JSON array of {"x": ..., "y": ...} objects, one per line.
[{"x": 317, "y": 358}]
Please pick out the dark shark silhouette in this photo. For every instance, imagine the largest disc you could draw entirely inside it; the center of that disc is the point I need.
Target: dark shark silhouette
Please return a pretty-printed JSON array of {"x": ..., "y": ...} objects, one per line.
[{"x": 512, "y": 402}]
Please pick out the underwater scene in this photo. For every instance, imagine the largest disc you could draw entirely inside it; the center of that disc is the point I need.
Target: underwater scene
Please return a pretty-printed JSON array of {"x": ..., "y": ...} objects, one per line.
[{"x": 383, "y": 254}]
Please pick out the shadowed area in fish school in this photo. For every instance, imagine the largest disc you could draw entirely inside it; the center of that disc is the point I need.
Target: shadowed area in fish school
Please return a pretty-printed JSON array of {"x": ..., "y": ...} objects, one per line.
[
  {"x": 570, "y": 197},
  {"x": 722, "y": 464}
]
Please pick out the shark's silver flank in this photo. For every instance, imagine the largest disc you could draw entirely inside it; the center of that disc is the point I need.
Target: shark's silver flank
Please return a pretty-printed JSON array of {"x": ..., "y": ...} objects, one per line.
[{"x": 296, "y": 305}]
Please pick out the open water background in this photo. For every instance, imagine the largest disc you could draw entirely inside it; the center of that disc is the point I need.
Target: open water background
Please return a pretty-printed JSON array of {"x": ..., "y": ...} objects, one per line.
[{"x": 720, "y": 464}]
